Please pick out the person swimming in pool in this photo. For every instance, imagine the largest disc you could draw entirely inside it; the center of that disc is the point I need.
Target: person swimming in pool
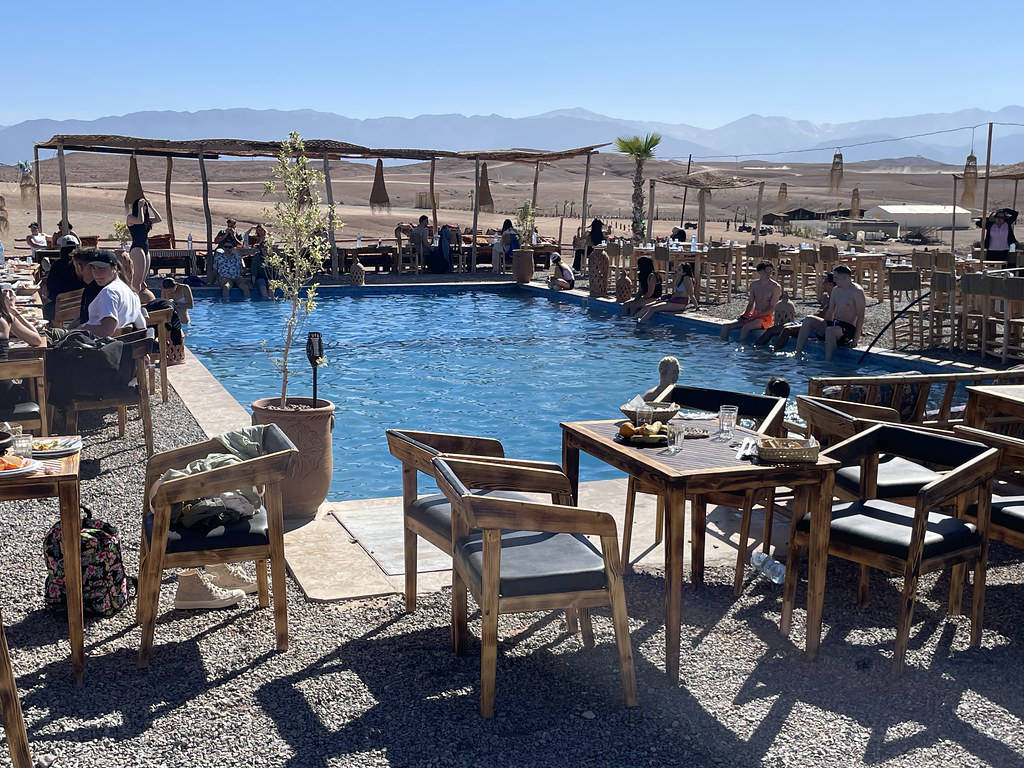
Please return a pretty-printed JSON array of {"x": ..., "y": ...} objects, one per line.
[
  {"x": 765, "y": 293},
  {"x": 843, "y": 321}
]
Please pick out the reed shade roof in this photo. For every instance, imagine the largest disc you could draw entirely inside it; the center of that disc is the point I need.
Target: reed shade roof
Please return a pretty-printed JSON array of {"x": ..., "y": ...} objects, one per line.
[
  {"x": 335, "y": 150},
  {"x": 783, "y": 195},
  {"x": 379, "y": 200},
  {"x": 708, "y": 180},
  {"x": 134, "y": 191},
  {"x": 486, "y": 202}
]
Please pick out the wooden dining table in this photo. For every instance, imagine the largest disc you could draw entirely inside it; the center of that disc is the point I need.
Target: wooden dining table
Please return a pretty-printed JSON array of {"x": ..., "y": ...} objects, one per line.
[
  {"x": 993, "y": 400},
  {"x": 59, "y": 479},
  {"x": 703, "y": 467}
]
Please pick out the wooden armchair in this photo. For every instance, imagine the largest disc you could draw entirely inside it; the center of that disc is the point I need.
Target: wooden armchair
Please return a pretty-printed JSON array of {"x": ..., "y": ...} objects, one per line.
[
  {"x": 430, "y": 517},
  {"x": 1007, "y": 516},
  {"x": 67, "y": 308},
  {"x": 138, "y": 345},
  {"x": 30, "y": 368},
  {"x": 520, "y": 556},
  {"x": 912, "y": 539},
  {"x": 767, "y": 413},
  {"x": 10, "y": 709},
  {"x": 259, "y": 538},
  {"x": 158, "y": 319}
]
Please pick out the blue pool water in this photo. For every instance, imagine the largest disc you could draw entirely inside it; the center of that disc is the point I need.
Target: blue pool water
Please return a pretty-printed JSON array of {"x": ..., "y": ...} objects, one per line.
[{"x": 505, "y": 364}]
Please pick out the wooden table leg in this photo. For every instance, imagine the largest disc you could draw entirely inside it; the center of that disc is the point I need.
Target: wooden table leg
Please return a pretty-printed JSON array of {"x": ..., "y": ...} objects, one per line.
[
  {"x": 571, "y": 466},
  {"x": 10, "y": 707},
  {"x": 819, "y": 498},
  {"x": 71, "y": 547},
  {"x": 698, "y": 529},
  {"x": 675, "y": 508},
  {"x": 161, "y": 334}
]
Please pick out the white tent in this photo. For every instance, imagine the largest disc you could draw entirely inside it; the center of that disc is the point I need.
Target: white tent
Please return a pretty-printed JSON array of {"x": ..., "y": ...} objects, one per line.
[{"x": 920, "y": 216}]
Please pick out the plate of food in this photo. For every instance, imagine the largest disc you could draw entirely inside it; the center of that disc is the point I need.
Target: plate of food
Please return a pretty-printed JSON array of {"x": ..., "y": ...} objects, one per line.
[
  {"x": 15, "y": 466},
  {"x": 55, "y": 448},
  {"x": 647, "y": 434}
]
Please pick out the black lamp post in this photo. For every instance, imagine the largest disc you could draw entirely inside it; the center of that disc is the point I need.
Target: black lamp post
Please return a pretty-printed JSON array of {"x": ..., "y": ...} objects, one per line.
[{"x": 314, "y": 353}]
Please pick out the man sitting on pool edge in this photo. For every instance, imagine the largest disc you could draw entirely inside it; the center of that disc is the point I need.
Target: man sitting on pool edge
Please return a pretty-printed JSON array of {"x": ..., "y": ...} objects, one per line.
[
  {"x": 765, "y": 293},
  {"x": 843, "y": 321}
]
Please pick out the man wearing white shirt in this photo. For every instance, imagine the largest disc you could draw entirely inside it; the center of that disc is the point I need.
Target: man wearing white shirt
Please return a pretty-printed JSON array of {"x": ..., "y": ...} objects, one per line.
[
  {"x": 116, "y": 305},
  {"x": 36, "y": 240}
]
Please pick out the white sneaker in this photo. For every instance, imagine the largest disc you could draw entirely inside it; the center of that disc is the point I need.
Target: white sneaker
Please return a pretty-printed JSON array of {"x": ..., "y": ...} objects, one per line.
[
  {"x": 228, "y": 576},
  {"x": 197, "y": 592}
]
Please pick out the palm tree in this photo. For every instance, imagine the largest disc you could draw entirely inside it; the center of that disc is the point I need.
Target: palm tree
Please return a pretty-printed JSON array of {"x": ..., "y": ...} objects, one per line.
[{"x": 641, "y": 149}]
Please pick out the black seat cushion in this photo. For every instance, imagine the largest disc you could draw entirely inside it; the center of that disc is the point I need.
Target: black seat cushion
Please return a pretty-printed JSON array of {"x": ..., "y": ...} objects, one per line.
[
  {"x": 19, "y": 412},
  {"x": 250, "y": 532},
  {"x": 1007, "y": 512},
  {"x": 435, "y": 512},
  {"x": 539, "y": 563},
  {"x": 898, "y": 478},
  {"x": 885, "y": 527}
]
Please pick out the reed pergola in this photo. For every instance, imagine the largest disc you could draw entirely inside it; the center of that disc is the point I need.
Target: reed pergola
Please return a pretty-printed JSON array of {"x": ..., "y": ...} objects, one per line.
[
  {"x": 323, "y": 149},
  {"x": 704, "y": 182}
]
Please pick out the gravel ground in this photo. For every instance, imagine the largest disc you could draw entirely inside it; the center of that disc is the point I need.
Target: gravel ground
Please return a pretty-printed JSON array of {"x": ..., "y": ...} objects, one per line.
[{"x": 365, "y": 685}]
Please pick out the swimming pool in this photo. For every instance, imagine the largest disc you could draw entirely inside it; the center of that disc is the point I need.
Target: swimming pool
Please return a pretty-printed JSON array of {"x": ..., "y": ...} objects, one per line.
[{"x": 504, "y": 363}]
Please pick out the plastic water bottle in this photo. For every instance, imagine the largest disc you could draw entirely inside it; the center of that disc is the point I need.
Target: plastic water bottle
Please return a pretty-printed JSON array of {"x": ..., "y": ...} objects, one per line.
[
  {"x": 693, "y": 243},
  {"x": 245, "y": 239},
  {"x": 190, "y": 241},
  {"x": 768, "y": 566},
  {"x": 3, "y": 259},
  {"x": 359, "y": 241}
]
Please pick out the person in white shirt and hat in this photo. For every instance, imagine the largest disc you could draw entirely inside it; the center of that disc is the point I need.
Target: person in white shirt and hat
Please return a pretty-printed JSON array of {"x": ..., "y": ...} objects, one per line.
[{"x": 116, "y": 305}]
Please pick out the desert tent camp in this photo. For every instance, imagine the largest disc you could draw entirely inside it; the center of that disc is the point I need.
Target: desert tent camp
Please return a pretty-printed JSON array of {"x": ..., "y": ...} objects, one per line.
[{"x": 911, "y": 217}]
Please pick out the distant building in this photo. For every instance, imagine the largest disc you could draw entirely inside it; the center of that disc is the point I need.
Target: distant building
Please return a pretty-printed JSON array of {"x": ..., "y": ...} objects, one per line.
[
  {"x": 804, "y": 214},
  {"x": 920, "y": 217},
  {"x": 775, "y": 219}
]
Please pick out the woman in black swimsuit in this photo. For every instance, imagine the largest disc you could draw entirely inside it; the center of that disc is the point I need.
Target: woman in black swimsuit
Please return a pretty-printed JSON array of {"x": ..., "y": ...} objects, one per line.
[
  {"x": 140, "y": 219},
  {"x": 648, "y": 286}
]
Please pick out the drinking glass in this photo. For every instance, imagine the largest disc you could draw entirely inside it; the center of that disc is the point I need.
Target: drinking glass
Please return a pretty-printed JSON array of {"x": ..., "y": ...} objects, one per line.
[
  {"x": 21, "y": 445},
  {"x": 727, "y": 416},
  {"x": 644, "y": 415},
  {"x": 675, "y": 437}
]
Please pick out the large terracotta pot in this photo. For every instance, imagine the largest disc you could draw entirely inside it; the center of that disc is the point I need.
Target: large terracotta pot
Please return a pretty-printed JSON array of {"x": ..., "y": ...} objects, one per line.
[
  {"x": 310, "y": 429},
  {"x": 522, "y": 264}
]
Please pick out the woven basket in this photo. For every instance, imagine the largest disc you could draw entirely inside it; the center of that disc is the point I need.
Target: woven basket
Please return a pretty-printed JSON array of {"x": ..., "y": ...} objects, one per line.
[
  {"x": 785, "y": 450},
  {"x": 662, "y": 411}
]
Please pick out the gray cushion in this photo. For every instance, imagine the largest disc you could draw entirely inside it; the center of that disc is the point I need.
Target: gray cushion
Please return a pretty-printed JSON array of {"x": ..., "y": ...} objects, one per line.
[
  {"x": 885, "y": 527},
  {"x": 250, "y": 532},
  {"x": 898, "y": 478},
  {"x": 19, "y": 412},
  {"x": 1007, "y": 512},
  {"x": 435, "y": 512},
  {"x": 539, "y": 563}
]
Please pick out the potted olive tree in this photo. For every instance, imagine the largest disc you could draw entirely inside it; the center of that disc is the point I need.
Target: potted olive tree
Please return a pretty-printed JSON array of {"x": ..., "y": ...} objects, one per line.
[{"x": 295, "y": 251}]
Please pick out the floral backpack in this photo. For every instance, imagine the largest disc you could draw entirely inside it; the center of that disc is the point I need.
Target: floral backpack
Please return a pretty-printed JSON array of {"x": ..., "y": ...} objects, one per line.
[{"x": 104, "y": 582}]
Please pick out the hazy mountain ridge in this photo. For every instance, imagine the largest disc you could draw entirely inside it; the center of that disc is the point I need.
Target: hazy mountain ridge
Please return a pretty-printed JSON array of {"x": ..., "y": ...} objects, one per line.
[{"x": 557, "y": 129}]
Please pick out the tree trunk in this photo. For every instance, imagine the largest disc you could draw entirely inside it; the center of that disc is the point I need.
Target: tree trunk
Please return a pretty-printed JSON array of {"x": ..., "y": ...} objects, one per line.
[{"x": 638, "y": 199}]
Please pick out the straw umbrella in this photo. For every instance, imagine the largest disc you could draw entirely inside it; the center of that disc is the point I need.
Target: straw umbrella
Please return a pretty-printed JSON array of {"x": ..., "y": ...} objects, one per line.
[
  {"x": 780, "y": 201},
  {"x": 486, "y": 201},
  {"x": 835, "y": 175},
  {"x": 704, "y": 182},
  {"x": 379, "y": 200}
]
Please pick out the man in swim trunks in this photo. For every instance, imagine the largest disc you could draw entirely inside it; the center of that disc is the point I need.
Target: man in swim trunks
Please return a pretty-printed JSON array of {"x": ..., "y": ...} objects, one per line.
[
  {"x": 844, "y": 319},
  {"x": 765, "y": 293}
]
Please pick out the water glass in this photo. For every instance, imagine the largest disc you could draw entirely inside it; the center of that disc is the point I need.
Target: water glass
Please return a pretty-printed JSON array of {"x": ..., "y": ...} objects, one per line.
[
  {"x": 644, "y": 415},
  {"x": 727, "y": 416},
  {"x": 21, "y": 445},
  {"x": 676, "y": 437}
]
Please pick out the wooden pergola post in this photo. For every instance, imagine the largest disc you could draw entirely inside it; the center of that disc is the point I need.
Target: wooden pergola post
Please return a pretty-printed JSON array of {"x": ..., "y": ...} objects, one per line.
[
  {"x": 701, "y": 213},
  {"x": 984, "y": 197},
  {"x": 206, "y": 212},
  {"x": 682, "y": 213},
  {"x": 167, "y": 198},
  {"x": 757, "y": 221},
  {"x": 39, "y": 198},
  {"x": 1015, "y": 183},
  {"x": 952, "y": 232},
  {"x": 476, "y": 216},
  {"x": 330, "y": 215},
  {"x": 583, "y": 212},
  {"x": 63, "y": 191},
  {"x": 650, "y": 212},
  {"x": 536, "y": 178},
  {"x": 433, "y": 200}
]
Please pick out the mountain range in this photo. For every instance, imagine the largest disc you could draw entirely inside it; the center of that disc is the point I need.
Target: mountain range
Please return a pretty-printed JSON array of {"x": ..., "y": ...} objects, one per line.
[{"x": 775, "y": 137}]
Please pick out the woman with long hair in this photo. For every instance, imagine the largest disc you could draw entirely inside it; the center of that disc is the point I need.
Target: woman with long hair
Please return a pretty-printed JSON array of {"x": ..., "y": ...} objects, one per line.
[
  {"x": 140, "y": 218},
  {"x": 680, "y": 298},
  {"x": 648, "y": 286}
]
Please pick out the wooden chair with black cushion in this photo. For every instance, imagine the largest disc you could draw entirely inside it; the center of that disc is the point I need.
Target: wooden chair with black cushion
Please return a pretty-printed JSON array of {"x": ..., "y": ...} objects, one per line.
[
  {"x": 430, "y": 517},
  {"x": 522, "y": 556},
  {"x": 67, "y": 308},
  {"x": 29, "y": 409},
  {"x": 911, "y": 539},
  {"x": 1007, "y": 516},
  {"x": 768, "y": 414},
  {"x": 158, "y": 320},
  {"x": 259, "y": 538},
  {"x": 136, "y": 393}
]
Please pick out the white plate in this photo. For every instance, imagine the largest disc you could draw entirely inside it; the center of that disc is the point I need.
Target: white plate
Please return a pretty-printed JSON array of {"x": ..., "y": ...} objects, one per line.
[
  {"x": 28, "y": 469},
  {"x": 58, "y": 452}
]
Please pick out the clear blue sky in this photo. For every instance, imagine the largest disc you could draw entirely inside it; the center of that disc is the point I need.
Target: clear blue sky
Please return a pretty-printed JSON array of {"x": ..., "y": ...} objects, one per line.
[{"x": 704, "y": 63}]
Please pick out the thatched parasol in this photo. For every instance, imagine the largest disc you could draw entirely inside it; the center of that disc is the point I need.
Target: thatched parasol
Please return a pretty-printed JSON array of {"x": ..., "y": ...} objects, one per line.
[
  {"x": 783, "y": 195},
  {"x": 855, "y": 204},
  {"x": 705, "y": 181},
  {"x": 379, "y": 200},
  {"x": 486, "y": 201},
  {"x": 835, "y": 175},
  {"x": 135, "y": 190}
]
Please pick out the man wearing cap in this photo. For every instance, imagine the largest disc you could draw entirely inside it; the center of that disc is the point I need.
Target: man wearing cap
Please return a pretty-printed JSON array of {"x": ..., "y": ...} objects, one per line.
[
  {"x": 116, "y": 305},
  {"x": 62, "y": 276}
]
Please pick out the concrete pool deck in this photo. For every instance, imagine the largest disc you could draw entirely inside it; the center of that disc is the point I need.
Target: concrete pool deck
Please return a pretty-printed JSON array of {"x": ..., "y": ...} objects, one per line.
[{"x": 330, "y": 563}]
